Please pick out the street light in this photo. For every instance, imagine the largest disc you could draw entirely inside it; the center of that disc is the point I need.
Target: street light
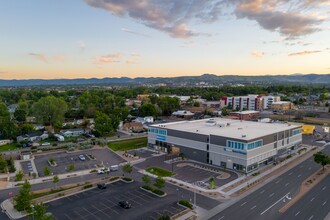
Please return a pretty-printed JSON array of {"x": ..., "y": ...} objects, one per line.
[{"x": 32, "y": 206}]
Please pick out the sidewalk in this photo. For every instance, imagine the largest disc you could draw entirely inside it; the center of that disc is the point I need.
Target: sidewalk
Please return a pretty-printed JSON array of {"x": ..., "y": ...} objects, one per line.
[{"x": 10, "y": 211}]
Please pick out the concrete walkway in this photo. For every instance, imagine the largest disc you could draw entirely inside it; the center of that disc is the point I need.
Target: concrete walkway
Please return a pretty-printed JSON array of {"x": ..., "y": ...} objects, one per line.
[{"x": 10, "y": 211}]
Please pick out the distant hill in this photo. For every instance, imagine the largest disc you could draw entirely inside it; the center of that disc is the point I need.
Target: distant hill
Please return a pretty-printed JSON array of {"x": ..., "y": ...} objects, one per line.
[{"x": 208, "y": 79}]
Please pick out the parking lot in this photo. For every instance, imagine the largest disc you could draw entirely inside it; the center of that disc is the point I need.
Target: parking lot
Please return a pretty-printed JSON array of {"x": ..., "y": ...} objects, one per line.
[
  {"x": 26, "y": 167},
  {"x": 193, "y": 173},
  {"x": 64, "y": 159},
  {"x": 142, "y": 152},
  {"x": 103, "y": 204}
]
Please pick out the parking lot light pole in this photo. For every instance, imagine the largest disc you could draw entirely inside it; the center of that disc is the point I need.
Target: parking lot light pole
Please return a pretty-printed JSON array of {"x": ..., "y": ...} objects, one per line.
[{"x": 32, "y": 206}]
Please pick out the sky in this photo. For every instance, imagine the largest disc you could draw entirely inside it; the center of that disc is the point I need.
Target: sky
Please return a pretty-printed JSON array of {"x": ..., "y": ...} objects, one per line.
[{"x": 52, "y": 39}]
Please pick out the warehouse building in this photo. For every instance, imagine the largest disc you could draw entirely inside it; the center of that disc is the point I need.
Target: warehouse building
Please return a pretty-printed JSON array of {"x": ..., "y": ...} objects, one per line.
[{"x": 234, "y": 144}]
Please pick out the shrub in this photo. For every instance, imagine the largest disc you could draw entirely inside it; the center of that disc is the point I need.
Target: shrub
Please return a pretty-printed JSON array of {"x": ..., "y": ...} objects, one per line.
[
  {"x": 127, "y": 179},
  {"x": 289, "y": 156},
  {"x": 147, "y": 188},
  {"x": 114, "y": 178},
  {"x": 256, "y": 174},
  {"x": 186, "y": 203},
  {"x": 158, "y": 192},
  {"x": 88, "y": 186}
]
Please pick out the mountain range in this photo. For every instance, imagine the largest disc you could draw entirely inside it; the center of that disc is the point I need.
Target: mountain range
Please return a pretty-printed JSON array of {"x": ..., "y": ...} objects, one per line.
[{"x": 205, "y": 79}]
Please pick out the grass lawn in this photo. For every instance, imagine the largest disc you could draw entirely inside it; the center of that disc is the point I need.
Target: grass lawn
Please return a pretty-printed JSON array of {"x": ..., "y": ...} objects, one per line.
[
  {"x": 159, "y": 172},
  {"x": 128, "y": 144},
  {"x": 12, "y": 146}
]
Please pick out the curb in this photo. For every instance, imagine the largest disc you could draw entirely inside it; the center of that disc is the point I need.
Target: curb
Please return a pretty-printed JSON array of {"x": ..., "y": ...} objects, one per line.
[{"x": 160, "y": 196}]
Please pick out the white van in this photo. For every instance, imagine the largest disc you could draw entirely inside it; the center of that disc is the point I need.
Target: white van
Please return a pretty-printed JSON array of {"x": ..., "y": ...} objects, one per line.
[{"x": 114, "y": 168}]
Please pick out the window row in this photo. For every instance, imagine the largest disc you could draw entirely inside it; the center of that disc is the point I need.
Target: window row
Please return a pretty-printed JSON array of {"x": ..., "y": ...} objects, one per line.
[
  {"x": 255, "y": 144},
  {"x": 297, "y": 131},
  {"x": 157, "y": 131},
  {"x": 236, "y": 145}
]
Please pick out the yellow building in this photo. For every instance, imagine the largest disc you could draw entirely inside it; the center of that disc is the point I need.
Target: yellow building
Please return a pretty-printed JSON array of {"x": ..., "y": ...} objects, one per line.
[
  {"x": 281, "y": 106},
  {"x": 308, "y": 129}
]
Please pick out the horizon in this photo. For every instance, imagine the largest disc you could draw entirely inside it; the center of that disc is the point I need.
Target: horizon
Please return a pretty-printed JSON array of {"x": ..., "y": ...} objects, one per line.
[
  {"x": 265, "y": 75},
  {"x": 107, "y": 39}
]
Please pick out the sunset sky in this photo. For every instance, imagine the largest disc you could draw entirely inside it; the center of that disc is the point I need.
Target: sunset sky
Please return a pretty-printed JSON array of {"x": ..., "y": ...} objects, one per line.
[{"x": 135, "y": 38}]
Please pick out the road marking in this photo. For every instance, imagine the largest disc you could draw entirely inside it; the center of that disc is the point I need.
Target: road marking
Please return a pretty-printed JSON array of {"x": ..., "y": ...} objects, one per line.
[
  {"x": 312, "y": 199},
  {"x": 297, "y": 213},
  {"x": 324, "y": 188},
  {"x": 274, "y": 204},
  {"x": 262, "y": 191},
  {"x": 277, "y": 181},
  {"x": 311, "y": 217},
  {"x": 299, "y": 175},
  {"x": 243, "y": 203},
  {"x": 221, "y": 217},
  {"x": 324, "y": 203},
  {"x": 290, "y": 174},
  {"x": 287, "y": 184},
  {"x": 253, "y": 207},
  {"x": 68, "y": 216},
  {"x": 271, "y": 195}
]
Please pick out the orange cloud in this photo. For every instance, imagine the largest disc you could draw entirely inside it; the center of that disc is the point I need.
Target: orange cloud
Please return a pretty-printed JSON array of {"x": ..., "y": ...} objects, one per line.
[
  {"x": 302, "y": 53},
  {"x": 110, "y": 58},
  {"x": 46, "y": 59},
  {"x": 257, "y": 54},
  {"x": 135, "y": 54}
]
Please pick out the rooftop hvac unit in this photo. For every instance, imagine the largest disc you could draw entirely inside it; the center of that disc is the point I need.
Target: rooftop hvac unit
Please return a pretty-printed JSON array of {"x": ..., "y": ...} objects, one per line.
[
  {"x": 222, "y": 125},
  {"x": 243, "y": 135}
]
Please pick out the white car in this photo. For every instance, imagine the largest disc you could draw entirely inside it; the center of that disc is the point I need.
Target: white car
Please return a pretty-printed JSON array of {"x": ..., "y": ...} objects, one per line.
[
  {"x": 82, "y": 157},
  {"x": 45, "y": 144},
  {"x": 103, "y": 170}
]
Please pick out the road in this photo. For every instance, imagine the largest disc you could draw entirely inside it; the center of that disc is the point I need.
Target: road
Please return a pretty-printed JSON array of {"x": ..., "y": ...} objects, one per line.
[
  {"x": 314, "y": 205},
  {"x": 265, "y": 202}
]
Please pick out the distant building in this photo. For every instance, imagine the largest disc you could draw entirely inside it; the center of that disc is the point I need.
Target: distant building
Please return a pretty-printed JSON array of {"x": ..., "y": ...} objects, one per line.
[
  {"x": 143, "y": 120},
  {"x": 281, "y": 106},
  {"x": 59, "y": 138},
  {"x": 183, "y": 114},
  {"x": 249, "y": 102},
  {"x": 75, "y": 132},
  {"x": 133, "y": 126},
  {"x": 245, "y": 115},
  {"x": 12, "y": 108}
]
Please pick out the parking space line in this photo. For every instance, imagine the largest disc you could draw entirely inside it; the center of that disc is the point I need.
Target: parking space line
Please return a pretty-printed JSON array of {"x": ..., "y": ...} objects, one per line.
[
  {"x": 110, "y": 202},
  {"x": 77, "y": 213},
  {"x": 91, "y": 213},
  {"x": 101, "y": 210},
  {"x": 68, "y": 216}
]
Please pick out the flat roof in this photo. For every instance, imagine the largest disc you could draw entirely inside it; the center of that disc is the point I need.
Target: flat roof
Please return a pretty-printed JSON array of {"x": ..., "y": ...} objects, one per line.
[
  {"x": 244, "y": 130},
  {"x": 245, "y": 112},
  {"x": 281, "y": 102}
]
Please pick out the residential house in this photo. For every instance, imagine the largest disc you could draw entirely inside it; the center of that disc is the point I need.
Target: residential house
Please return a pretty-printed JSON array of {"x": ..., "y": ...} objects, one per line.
[
  {"x": 133, "y": 126},
  {"x": 59, "y": 138},
  {"x": 12, "y": 108},
  {"x": 33, "y": 136},
  {"x": 143, "y": 120},
  {"x": 183, "y": 114},
  {"x": 75, "y": 132}
]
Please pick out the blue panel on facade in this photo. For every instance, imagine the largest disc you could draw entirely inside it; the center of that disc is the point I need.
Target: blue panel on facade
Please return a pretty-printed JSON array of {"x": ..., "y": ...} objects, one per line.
[{"x": 161, "y": 138}]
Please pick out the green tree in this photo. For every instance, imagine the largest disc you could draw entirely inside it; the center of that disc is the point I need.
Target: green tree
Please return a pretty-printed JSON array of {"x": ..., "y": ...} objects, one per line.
[
  {"x": 148, "y": 109},
  {"x": 47, "y": 171},
  {"x": 23, "y": 199},
  {"x": 40, "y": 212},
  {"x": 20, "y": 115},
  {"x": 168, "y": 104},
  {"x": 127, "y": 168},
  {"x": 8, "y": 130},
  {"x": 19, "y": 176},
  {"x": 224, "y": 111},
  {"x": 103, "y": 123},
  {"x": 164, "y": 217},
  {"x": 146, "y": 179},
  {"x": 159, "y": 182},
  {"x": 56, "y": 179},
  {"x": 26, "y": 128},
  {"x": 212, "y": 183},
  {"x": 321, "y": 158},
  {"x": 71, "y": 167},
  {"x": 50, "y": 110},
  {"x": 3, "y": 164}
]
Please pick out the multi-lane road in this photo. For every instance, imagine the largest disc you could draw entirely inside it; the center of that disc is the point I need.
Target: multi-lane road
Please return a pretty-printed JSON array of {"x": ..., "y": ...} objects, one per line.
[{"x": 265, "y": 202}]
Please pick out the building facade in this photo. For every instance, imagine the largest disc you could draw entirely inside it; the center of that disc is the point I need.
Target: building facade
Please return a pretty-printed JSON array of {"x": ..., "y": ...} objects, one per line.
[
  {"x": 249, "y": 102},
  {"x": 234, "y": 144},
  {"x": 281, "y": 106}
]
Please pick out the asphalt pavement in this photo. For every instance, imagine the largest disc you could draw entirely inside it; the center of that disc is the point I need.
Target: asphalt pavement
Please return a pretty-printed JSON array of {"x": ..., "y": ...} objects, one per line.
[{"x": 265, "y": 202}]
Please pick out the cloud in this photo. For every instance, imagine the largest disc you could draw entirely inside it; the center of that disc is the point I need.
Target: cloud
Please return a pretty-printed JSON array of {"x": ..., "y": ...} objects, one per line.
[
  {"x": 257, "y": 54},
  {"x": 110, "y": 58},
  {"x": 82, "y": 45},
  {"x": 40, "y": 57},
  {"x": 168, "y": 16},
  {"x": 47, "y": 59},
  {"x": 135, "y": 54},
  {"x": 306, "y": 52},
  {"x": 134, "y": 32},
  {"x": 292, "y": 19},
  {"x": 132, "y": 61},
  {"x": 271, "y": 15}
]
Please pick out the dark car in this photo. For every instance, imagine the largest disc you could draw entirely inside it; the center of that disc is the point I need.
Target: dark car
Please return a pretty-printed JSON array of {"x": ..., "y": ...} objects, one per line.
[
  {"x": 102, "y": 186},
  {"x": 125, "y": 204}
]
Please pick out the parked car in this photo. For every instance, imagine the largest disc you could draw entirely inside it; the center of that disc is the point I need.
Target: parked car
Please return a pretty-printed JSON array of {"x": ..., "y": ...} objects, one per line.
[
  {"x": 114, "y": 168},
  {"x": 82, "y": 157},
  {"x": 45, "y": 144},
  {"x": 101, "y": 185},
  {"x": 103, "y": 170},
  {"x": 125, "y": 204}
]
